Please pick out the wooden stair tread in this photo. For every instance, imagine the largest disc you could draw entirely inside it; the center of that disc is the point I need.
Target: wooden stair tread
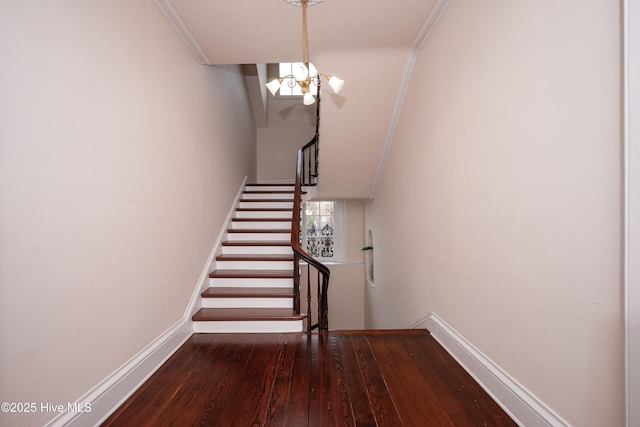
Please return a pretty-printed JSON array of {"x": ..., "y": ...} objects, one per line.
[
  {"x": 268, "y": 192},
  {"x": 256, "y": 243},
  {"x": 247, "y": 314},
  {"x": 229, "y": 292},
  {"x": 252, "y": 274},
  {"x": 266, "y": 200},
  {"x": 255, "y": 257}
]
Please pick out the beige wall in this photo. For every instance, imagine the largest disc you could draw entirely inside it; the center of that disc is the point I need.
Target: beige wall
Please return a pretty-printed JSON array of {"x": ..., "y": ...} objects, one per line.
[
  {"x": 291, "y": 124},
  {"x": 500, "y": 205},
  {"x": 120, "y": 156}
]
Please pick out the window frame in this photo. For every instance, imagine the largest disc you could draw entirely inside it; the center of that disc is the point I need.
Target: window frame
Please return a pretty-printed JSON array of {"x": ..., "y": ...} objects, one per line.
[{"x": 339, "y": 231}]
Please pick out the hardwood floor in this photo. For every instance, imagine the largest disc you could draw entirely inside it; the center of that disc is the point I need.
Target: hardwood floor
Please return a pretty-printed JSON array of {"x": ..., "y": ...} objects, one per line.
[{"x": 359, "y": 378}]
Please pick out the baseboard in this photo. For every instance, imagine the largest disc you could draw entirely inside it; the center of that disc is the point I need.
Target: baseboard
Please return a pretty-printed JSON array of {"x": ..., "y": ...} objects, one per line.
[
  {"x": 521, "y": 405},
  {"x": 114, "y": 390}
]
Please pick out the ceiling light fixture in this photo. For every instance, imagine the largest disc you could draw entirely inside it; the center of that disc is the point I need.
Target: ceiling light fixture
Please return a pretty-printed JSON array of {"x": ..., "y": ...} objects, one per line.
[{"x": 301, "y": 76}]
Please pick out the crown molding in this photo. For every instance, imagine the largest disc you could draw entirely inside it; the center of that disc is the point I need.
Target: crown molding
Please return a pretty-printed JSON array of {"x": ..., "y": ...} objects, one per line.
[
  {"x": 181, "y": 28},
  {"x": 428, "y": 25}
]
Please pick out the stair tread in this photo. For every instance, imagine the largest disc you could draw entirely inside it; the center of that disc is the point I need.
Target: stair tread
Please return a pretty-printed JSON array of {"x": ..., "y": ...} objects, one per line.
[
  {"x": 258, "y": 230},
  {"x": 246, "y": 314},
  {"x": 261, "y": 219},
  {"x": 256, "y": 243},
  {"x": 268, "y": 192},
  {"x": 255, "y": 257},
  {"x": 252, "y": 274},
  {"x": 266, "y": 200},
  {"x": 232, "y": 292},
  {"x": 265, "y": 184},
  {"x": 264, "y": 209}
]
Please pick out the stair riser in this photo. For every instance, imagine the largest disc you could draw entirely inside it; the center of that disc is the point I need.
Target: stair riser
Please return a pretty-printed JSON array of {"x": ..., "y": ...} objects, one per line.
[
  {"x": 269, "y": 188},
  {"x": 254, "y": 265},
  {"x": 250, "y": 282},
  {"x": 264, "y": 214},
  {"x": 253, "y": 225},
  {"x": 285, "y": 237},
  {"x": 267, "y": 196},
  {"x": 266, "y": 205},
  {"x": 247, "y": 302},
  {"x": 229, "y": 327},
  {"x": 270, "y": 250}
]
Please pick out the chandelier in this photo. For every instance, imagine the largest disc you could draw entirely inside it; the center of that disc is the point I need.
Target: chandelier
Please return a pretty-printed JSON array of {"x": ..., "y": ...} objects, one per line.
[{"x": 301, "y": 76}]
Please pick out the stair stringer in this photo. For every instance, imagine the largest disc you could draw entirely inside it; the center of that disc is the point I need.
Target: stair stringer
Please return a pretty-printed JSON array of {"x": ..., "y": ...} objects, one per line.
[
  {"x": 195, "y": 303},
  {"x": 250, "y": 309}
]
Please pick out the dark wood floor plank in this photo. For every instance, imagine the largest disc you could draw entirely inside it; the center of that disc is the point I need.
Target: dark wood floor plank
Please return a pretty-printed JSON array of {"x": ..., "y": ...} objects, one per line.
[
  {"x": 416, "y": 401},
  {"x": 339, "y": 409},
  {"x": 362, "y": 410},
  {"x": 297, "y": 412},
  {"x": 355, "y": 378},
  {"x": 317, "y": 381},
  {"x": 477, "y": 403},
  {"x": 278, "y": 402},
  {"x": 131, "y": 413},
  {"x": 250, "y": 398},
  {"x": 384, "y": 409},
  {"x": 432, "y": 374},
  {"x": 201, "y": 394}
]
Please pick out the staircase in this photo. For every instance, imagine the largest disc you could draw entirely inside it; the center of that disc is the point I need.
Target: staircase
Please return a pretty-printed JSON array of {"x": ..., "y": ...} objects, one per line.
[{"x": 251, "y": 289}]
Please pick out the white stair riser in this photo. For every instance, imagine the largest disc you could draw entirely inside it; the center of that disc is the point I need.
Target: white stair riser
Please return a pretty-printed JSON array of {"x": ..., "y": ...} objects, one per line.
[
  {"x": 264, "y": 214},
  {"x": 267, "y": 196},
  {"x": 254, "y": 265},
  {"x": 238, "y": 327},
  {"x": 234, "y": 237},
  {"x": 247, "y": 302},
  {"x": 252, "y": 225},
  {"x": 269, "y": 250},
  {"x": 269, "y": 188},
  {"x": 250, "y": 282},
  {"x": 266, "y": 205}
]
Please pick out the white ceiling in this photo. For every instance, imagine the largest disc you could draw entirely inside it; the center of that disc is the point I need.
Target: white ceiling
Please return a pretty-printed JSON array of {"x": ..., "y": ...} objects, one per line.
[
  {"x": 352, "y": 39},
  {"x": 263, "y": 31}
]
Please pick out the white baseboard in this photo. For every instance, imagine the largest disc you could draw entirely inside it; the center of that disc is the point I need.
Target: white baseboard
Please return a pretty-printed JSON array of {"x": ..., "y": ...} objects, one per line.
[
  {"x": 114, "y": 390},
  {"x": 521, "y": 405}
]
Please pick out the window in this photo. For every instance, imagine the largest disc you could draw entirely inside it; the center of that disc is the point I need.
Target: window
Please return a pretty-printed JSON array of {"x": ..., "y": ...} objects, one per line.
[
  {"x": 323, "y": 229},
  {"x": 288, "y": 87}
]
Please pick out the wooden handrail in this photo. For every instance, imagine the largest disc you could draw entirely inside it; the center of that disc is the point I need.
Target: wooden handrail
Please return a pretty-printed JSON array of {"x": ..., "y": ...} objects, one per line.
[{"x": 308, "y": 176}]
